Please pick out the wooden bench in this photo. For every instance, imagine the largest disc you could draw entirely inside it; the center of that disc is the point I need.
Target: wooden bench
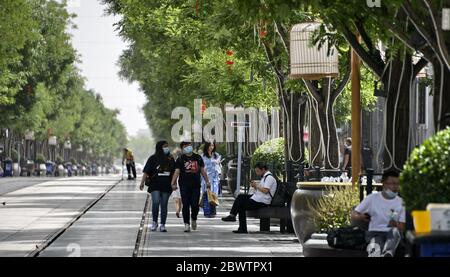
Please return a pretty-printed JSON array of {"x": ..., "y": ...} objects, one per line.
[{"x": 265, "y": 214}]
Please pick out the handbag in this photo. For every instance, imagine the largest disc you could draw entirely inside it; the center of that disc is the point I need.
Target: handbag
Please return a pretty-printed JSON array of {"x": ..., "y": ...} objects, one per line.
[
  {"x": 212, "y": 198},
  {"x": 347, "y": 238}
]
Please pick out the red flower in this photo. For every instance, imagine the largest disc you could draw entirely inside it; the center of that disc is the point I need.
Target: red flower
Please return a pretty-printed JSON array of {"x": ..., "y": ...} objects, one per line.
[
  {"x": 263, "y": 34},
  {"x": 230, "y": 62},
  {"x": 230, "y": 53}
]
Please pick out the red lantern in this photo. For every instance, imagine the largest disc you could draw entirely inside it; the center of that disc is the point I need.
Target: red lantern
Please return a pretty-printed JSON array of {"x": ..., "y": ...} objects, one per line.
[
  {"x": 230, "y": 63},
  {"x": 230, "y": 53},
  {"x": 203, "y": 106}
]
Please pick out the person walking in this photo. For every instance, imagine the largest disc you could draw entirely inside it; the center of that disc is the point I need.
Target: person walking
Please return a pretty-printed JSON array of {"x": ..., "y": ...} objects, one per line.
[
  {"x": 189, "y": 168},
  {"x": 158, "y": 172},
  {"x": 213, "y": 168},
  {"x": 128, "y": 158}
]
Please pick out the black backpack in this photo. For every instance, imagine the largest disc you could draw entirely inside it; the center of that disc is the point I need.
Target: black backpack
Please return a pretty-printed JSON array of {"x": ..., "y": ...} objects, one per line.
[
  {"x": 281, "y": 196},
  {"x": 347, "y": 238}
]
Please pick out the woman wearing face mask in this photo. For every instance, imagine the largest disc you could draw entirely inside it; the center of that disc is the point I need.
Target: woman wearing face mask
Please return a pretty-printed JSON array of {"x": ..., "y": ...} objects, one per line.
[
  {"x": 159, "y": 170},
  {"x": 189, "y": 167}
]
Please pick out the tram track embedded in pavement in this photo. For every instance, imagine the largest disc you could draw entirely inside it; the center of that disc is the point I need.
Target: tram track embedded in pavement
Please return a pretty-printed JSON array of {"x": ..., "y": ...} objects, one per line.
[
  {"x": 143, "y": 229},
  {"x": 55, "y": 235}
]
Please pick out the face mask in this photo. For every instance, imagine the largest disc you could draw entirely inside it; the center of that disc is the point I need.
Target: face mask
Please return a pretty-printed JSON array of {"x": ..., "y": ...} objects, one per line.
[
  {"x": 188, "y": 150},
  {"x": 166, "y": 150},
  {"x": 390, "y": 194}
]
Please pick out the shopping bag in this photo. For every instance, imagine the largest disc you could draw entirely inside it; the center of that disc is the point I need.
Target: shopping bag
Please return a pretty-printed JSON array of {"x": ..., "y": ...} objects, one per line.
[{"x": 212, "y": 198}]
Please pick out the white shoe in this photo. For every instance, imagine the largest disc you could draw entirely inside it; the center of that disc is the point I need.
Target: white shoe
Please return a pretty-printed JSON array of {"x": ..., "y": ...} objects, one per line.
[
  {"x": 187, "y": 228},
  {"x": 163, "y": 228},
  {"x": 194, "y": 225},
  {"x": 154, "y": 226}
]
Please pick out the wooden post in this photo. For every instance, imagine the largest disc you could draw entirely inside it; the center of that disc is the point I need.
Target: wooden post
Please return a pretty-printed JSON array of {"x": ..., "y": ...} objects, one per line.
[{"x": 356, "y": 118}]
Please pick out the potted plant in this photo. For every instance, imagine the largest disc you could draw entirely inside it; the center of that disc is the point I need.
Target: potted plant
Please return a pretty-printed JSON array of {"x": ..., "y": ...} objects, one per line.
[
  {"x": 74, "y": 166},
  {"x": 59, "y": 166},
  {"x": 15, "y": 160},
  {"x": 40, "y": 161}
]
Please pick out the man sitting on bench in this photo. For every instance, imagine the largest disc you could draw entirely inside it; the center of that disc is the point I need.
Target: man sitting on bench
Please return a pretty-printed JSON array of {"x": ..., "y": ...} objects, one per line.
[
  {"x": 386, "y": 216},
  {"x": 261, "y": 198}
]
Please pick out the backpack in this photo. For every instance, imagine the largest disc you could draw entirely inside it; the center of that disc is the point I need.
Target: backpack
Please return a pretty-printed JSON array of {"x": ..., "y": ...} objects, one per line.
[
  {"x": 281, "y": 196},
  {"x": 347, "y": 238}
]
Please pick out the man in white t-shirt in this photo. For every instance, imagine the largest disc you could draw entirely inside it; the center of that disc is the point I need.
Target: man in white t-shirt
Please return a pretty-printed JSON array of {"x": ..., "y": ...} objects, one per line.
[
  {"x": 385, "y": 213},
  {"x": 262, "y": 197}
]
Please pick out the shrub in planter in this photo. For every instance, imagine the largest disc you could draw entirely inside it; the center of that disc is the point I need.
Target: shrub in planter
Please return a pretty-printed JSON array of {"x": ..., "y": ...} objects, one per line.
[
  {"x": 40, "y": 159},
  {"x": 73, "y": 161},
  {"x": 59, "y": 160},
  {"x": 426, "y": 175},
  {"x": 271, "y": 153},
  {"x": 15, "y": 156},
  {"x": 334, "y": 209}
]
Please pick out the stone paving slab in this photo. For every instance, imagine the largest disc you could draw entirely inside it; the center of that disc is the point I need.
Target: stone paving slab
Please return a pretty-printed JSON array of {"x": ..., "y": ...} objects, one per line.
[
  {"x": 214, "y": 238},
  {"x": 109, "y": 229},
  {"x": 34, "y": 213}
]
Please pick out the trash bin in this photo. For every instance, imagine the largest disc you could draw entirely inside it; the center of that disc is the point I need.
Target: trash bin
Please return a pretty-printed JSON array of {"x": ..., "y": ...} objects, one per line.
[
  {"x": 8, "y": 168},
  {"x": 50, "y": 168},
  {"x": 94, "y": 170},
  {"x": 69, "y": 168}
]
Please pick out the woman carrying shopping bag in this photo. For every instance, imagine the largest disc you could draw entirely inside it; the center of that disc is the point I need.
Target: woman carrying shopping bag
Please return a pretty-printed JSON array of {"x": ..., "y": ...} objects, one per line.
[{"x": 213, "y": 168}]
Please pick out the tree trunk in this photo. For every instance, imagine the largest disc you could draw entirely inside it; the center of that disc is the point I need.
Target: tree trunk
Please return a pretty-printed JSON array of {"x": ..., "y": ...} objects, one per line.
[
  {"x": 397, "y": 113},
  {"x": 441, "y": 93}
]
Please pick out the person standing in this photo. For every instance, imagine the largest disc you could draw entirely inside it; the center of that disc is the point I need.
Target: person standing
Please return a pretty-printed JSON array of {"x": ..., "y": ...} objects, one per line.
[
  {"x": 128, "y": 158},
  {"x": 158, "y": 171},
  {"x": 189, "y": 168},
  {"x": 347, "y": 155}
]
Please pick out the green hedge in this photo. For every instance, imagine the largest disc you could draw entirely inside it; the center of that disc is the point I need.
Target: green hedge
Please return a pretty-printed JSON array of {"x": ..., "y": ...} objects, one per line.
[
  {"x": 40, "y": 158},
  {"x": 426, "y": 175},
  {"x": 271, "y": 153}
]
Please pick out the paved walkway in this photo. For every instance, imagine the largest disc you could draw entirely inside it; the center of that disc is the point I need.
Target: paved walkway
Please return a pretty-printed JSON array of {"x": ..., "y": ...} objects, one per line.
[
  {"x": 215, "y": 238},
  {"x": 53, "y": 211}
]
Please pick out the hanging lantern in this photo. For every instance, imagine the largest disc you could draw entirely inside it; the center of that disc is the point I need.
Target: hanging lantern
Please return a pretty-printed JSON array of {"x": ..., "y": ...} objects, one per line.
[
  {"x": 52, "y": 141},
  {"x": 307, "y": 61},
  {"x": 29, "y": 135},
  {"x": 203, "y": 108},
  {"x": 67, "y": 144}
]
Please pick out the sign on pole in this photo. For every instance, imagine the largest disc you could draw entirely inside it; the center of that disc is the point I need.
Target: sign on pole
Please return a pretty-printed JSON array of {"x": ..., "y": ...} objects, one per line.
[{"x": 241, "y": 126}]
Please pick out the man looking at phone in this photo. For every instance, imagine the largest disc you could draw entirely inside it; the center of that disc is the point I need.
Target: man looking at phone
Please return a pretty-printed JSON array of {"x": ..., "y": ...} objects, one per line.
[{"x": 262, "y": 197}]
